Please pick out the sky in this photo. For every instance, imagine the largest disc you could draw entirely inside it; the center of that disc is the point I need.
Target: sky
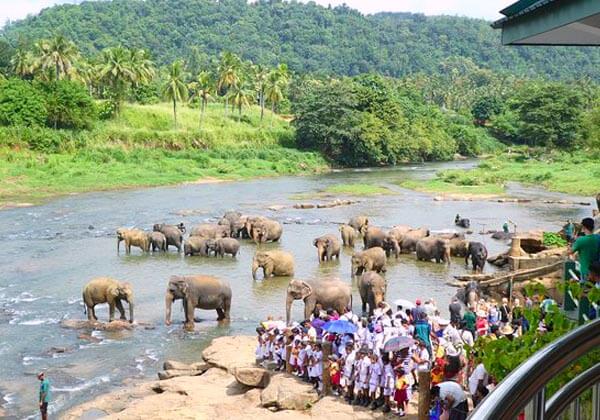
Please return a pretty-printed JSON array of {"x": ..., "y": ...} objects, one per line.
[{"x": 487, "y": 9}]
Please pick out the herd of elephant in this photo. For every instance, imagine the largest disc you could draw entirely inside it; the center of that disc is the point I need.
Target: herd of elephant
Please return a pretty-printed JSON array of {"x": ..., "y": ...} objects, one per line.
[{"x": 206, "y": 292}]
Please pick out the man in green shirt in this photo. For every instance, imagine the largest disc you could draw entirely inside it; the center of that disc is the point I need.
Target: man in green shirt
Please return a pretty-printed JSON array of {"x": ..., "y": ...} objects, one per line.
[
  {"x": 469, "y": 319},
  {"x": 44, "y": 395},
  {"x": 587, "y": 247}
]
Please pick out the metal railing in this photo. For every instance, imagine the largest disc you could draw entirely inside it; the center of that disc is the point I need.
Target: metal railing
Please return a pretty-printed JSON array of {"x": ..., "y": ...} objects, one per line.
[{"x": 526, "y": 384}]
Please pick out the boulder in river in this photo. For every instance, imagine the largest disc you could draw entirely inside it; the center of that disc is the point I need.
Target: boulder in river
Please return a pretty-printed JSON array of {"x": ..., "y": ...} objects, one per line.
[
  {"x": 230, "y": 353},
  {"x": 252, "y": 376},
  {"x": 288, "y": 393}
]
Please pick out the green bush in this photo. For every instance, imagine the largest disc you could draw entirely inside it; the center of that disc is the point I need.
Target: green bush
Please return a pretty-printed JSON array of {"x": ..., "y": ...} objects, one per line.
[
  {"x": 69, "y": 105},
  {"x": 21, "y": 104}
]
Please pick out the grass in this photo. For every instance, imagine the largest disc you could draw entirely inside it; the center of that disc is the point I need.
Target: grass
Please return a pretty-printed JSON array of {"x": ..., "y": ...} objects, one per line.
[
  {"x": 577, "y": 173},
  {"x": 355, "y": 190},
  {"x": 142, "y": 148}
]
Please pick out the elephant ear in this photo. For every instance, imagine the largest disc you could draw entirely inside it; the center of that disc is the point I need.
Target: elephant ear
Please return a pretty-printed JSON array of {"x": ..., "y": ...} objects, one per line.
[
  {"x": 306, "y": 290},
  {"x": 114, "y": 291}
]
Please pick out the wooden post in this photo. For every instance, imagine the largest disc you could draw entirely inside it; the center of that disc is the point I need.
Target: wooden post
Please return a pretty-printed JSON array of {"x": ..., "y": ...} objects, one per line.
[
  {"x": 326, "y": 374},
  {"x": 424, "y": 398}
]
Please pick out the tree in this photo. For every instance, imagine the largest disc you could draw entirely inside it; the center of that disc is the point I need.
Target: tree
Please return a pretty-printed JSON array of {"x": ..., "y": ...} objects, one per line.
[
  {"x": 21, "y": 104},
  {"x": 116, "y": 70},
  {"x": 260, "y": 79},
  {"x": 229, "y": 74},
  {"x": 174, "y": 88},
  {"x": 202, "y": 88},
  {"x": 142, "y": 65},
  {"x": 241, "y": 95},
  {"x": 277, "y": 80},
  {"x": 22, "y": 63},
  {"x": 56, "y": 54},
  {"x": 485, "y": 108},
  {"x": 68, "y": 104}
]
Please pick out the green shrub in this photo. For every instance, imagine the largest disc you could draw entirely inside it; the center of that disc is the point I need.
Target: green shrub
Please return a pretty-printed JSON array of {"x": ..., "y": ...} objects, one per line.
[
  {"x": 68, "y": 105},
  {"x": 21, "y": 104}
]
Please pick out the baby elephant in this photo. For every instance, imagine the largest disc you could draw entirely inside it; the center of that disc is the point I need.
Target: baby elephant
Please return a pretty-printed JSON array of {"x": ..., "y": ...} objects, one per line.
[
  {"x": 111, "y": 291},
  {"x": 348, "y": 234},
  {"x": 224, "y": 246},
  {"x": 133, "y": 237},
  {"x": 478, "y": 253},
  {"x": 158, "y": 241}
]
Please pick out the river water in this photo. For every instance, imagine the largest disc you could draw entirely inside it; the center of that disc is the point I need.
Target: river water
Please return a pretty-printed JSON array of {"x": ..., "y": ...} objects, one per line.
[{"x": 51, "y": 251}]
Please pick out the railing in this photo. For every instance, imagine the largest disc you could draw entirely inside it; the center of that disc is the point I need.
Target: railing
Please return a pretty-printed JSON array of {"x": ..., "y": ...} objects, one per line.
[{"x": 526, "y": 384}]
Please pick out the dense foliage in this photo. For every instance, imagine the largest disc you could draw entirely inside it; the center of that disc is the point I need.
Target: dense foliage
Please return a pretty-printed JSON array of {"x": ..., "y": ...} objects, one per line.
[
  {"x": 308, "y": 37},
  {"x": 21, "y": 104},
  {"x": 68, "y": 104}
]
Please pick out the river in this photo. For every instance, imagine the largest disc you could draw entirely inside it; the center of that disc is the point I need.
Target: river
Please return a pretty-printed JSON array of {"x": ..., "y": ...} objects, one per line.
[{"x": 51, "y": 251}]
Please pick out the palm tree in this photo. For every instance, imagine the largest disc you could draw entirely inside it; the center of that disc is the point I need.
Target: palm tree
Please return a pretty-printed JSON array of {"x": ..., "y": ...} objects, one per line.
[
  {"x": 22, "y": 63},
  {"x": 116, "y": 70},
  {"x": 260, "y": 79},
  {"x": 277, "y": 80},
  {"x": 142, "y": 65},
  {"x": 174, "y": 88},
  {"x": 202, "y": 88},
  {"x": 229, "y": 69},
  {"x": 241, "y": 95},
  {"x": 58, "y": 54}
]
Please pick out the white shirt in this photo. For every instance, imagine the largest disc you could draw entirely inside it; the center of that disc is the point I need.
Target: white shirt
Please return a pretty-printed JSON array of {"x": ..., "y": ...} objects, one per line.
[
  {"x": 479, "y": 374},
  {"x": 454, "y": 390},
  {"x": 467, "y": 337},
  {"x": 451, "y": 334},
  {"x": 349, "y": 364}
]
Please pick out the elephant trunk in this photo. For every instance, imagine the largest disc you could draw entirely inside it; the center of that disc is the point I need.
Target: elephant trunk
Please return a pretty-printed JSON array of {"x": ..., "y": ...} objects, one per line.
[
  {"x": 320, "y": 252},
  {"x": 378, "y": 297},
  {"x": 130, "y": 311},
  {"x": 288, "y": 308},
  {"x": 168, "y": 303},
  {"x": 118, "y": 243},
  {"x": 254, "y": 268}
]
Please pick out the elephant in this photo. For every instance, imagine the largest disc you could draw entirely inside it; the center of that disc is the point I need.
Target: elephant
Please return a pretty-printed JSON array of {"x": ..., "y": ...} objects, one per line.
[
  {"x": 328, "y": 246},
  {"x": 461, "y": 222},
  {"x": 197, "y": 245},
  {"x": 458, "y": 247},
  {"x": 410, "y": 239},
  {"x": 391, "y": 246},
  {"x": 224, "y": 246},
  {"x": 266, "y": 231},
  {"x": 107, "y": 290},
  {"x": 158, "y": 241},
  {"x": 133, "y": 237},
  {"x": 235, "y": 223},
  {"x": 398, "y": 232},
  {"x": 249, "y": 223},
  {"x": 470, "y": 294},
  {"x": 372, "y": 288},
  {"x": 329, "y": 293},
  {"x": 173, "y": 233},
  {"x": 197, "y": 291},
  {"x": 274, "y": 263},
  {"x": 372, "y": 259},
  {"x": 210, "y": 231},
  {"x": 372, "y": 236},
  {"x": 433, "y": 248},
  {"x": 478, "y": 253},
  {"x": 359, "y": 222},
  {"x": 348, "y": 234}
]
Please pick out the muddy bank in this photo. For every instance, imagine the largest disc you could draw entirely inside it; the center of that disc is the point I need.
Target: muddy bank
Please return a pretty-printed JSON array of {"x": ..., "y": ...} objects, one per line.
[{"x": 221, "y": 386}]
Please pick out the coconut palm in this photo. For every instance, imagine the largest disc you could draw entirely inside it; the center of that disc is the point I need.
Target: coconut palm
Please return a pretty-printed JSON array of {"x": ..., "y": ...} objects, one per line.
[
  {"x": 277, "y": 80},
  {"x": 22, "y": 63},
  {"x": 56, "y": 54},
  {"x": 260, "y": 79},
  {"x": 142, "y": 65},
  {"x": 175, "y": 89},
  {"x": 241, "y": 94},
  {"x": 202, "y": 88},
  {"x": 229, "y": 74},
  {"x": 116, "y": 70}
]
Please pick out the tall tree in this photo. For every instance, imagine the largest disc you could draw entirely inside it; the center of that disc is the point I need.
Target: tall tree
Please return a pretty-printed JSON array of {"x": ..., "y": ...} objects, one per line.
[
  {"x": 116, "y": 70},
  {"x": 22, "y": 63},
  {"x": 175, "y": 89},
  {"x": 242, "y": 94},
  {"x": 142, "y": 65},
  {"x": 260, "y": 79},
  {"x": 202, "y": 88},
  {"x": 277, "y": 80},
  {"x": 56, "y": 54},
  {"x": 229, "y": 74}
]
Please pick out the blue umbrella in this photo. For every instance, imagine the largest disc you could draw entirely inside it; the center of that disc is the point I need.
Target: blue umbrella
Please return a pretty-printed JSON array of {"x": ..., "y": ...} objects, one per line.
[{"x": 340, "y": 327}]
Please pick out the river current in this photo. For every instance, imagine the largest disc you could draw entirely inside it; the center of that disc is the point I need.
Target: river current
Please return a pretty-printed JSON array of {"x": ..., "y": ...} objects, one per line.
[{"x": 51, "y": 251}]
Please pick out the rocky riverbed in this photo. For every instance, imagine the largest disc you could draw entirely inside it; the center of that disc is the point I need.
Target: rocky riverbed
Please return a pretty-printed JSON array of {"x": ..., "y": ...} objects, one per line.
[{"x": 225, "y": 383}]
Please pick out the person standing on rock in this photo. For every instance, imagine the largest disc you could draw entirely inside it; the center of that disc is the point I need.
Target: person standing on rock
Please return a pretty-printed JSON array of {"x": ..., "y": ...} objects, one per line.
[{"x": 44, "y": 395}]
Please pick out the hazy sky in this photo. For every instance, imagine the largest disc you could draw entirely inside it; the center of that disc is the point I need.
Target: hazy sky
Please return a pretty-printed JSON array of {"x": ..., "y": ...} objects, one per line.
[{"x": 488, "y": 9}]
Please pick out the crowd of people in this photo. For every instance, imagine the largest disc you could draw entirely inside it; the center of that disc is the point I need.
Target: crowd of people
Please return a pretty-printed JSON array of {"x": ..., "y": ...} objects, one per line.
[{"x": 376, "y": 362}]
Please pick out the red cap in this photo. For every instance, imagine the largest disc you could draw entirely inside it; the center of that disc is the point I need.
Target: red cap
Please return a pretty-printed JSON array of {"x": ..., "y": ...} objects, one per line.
[{"x": 418, "y": 301}]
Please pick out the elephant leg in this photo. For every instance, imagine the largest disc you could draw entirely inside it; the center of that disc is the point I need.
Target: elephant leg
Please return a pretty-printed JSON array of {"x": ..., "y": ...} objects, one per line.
[
  {"x": 93, "y": 310},
  {"x": 364, "y": 306},
  {"x": 220, "y": 314},
  {"x": 226, "y": 308},
  {"x": 111, "y": 312},
  {"x": 90, "y": 312},
  {"x": 189, "y": 315},
  {"x": 120, "y": 308},
  {"x": 127, "y": 247},
  {"x": 309, "y": 308}
]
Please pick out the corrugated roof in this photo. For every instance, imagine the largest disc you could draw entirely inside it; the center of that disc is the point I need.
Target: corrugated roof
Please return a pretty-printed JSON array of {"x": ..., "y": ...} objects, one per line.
[{"x": 520, "y": 8}]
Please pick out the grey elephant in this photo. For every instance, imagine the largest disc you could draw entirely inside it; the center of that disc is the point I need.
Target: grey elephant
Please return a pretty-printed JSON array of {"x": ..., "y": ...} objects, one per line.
[
  {"x": 329, "y": 293},
  {"x": 462, "y": 222},
  {"x": 372, "y": 236},
  {"x": 410, "y": 239},
  {"x": 173, "y": 233},
  {"x": 158, "y": 241},
  {"x": 391, "y": 246},
  {"x": 223, "y": 246},
  {"x": 210, "y": 231},
  {"x": 197, "y": 291},
  {"x": 274, "y": 263},
  {"x": 470, "y": 294},
  {"x": 133, "y": 237},
  {"x": 358, "y": 222},
  {"x": 399, "y": 231},
  {"x": 267, "y": 231},
  {"x": 328, "y": 246},
  {"x": 478, "y": 254},
  {"x": 372, "y": 259},
  {"x": 235, "y": 222},
  {"x": 197, "y": 245},
  {"x": 348, "y": 234},
  {"x": 111, "y": 291},
  {"x": 372, "y": 288},
  {"x": 458, "y": 247},
  {"x": 249, "y": 222},
  {"x": 433, "y": 248}
]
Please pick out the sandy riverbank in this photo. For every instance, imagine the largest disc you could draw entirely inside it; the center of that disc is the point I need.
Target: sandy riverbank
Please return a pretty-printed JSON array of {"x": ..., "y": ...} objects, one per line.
[{"x": 217, "y": 392}]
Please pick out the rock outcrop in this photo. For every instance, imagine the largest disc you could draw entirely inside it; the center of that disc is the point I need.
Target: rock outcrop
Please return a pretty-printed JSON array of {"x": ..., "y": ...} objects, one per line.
[
  {"x": 252, "y": 376},
  {"x": 288, "y": 393},
  {"x": 230, "y": 353}
]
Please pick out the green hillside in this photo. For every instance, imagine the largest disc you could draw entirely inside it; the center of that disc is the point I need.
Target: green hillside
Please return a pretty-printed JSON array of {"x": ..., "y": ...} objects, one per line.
[{"x": 309, "y": 38}]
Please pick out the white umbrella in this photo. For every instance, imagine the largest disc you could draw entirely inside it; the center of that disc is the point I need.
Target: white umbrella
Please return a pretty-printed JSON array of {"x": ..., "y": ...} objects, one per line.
[{"x": 406, "y": 304}]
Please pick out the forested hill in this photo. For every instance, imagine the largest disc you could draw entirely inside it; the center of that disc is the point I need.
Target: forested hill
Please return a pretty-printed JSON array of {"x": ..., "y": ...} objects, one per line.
[{"x": 309, "y": 38}]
